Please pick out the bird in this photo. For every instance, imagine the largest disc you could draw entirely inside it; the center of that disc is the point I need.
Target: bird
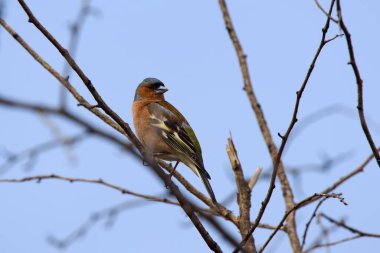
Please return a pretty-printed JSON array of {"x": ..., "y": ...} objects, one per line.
[{"x": 164, "y": 131}]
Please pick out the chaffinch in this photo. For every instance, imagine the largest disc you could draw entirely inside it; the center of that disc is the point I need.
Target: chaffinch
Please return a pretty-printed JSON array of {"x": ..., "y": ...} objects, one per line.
[{"x": 165, "y": 132}]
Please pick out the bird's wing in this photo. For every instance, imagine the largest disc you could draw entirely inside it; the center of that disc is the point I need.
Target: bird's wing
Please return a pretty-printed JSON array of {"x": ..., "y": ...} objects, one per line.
[{"x": 176, "y": 132}]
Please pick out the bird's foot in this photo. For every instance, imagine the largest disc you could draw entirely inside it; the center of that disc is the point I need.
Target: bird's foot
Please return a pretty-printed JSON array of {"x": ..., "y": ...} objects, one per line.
[{"x": 171, "y": 173}]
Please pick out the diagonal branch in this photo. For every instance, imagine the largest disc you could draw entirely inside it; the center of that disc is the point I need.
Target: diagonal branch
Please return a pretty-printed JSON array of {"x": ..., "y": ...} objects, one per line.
[
  {"x": 75, "y": 29},
  {"x": 186, "y": 206},
  {"x": 109, "y": 216},
  {"x": 342, "y": 224},
  {"x": 36, "y": 150},
  {"x": 297, "y": 206},
  {"x": 87, "y": 82},
  {"x": 329, "y": 244},
  {"x": 276, "y": 157},
  {"x": 313, "y": 215},
  {"x": 359, "y": 82},
  {"x": 278, "y": 168},
  {"x": 343, "y": 179},
  {"x": 82, "y": 101},
  {"x": 358, "y": 234},
  {"x": 34, "y": 107},
  {"x": 91, "y": 129}
]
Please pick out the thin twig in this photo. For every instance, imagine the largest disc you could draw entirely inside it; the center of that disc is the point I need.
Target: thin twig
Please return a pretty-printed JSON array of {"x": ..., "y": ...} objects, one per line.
[
  {"x": 297, "y": 206},
  {"x": 310, "y": 220},
  {"x": 329, "y": 244},
  {"x": 342, "y": 224},
  {"x": 277, "y": 161},
  {"x": 38, "y": 149},
  {"x": 325, "y": 12},
  {"x": 324, "y": 234},
  {"x": 59, "y": 134},
  {"x": 278, "y": 168},
  {"x": 109, "y": 215},
  {"x": 359, "y": 82},
  {"x": 99, "y": 181},
  {"x": 343, "y": 179},
  {"x": 75, "y": 29}
]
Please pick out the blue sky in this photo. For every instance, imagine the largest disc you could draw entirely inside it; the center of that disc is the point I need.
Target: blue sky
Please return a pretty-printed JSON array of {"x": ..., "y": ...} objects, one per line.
[{"x": 185, "y": 44}]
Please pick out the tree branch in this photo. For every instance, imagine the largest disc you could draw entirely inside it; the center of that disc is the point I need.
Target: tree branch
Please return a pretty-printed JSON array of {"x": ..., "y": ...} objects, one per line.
[
  {"x": 342, "y": 224},
  {"x": 36, "y": 150},
  {"x": 243, "y": 196},
  {"x": 75, "y": 29},
  {"x": 276, "y": 157},
  {"x": 120, "y": 125},
  {"x": 99, "y": 181},
  {"x": 278, "y": 169},
  {"x": 343, "y": 179},
  {"x": 359, "y": 83},
  {"x": 358, "y": 234},
  {"x": 297, "y": 206},
  {"x": 313, "y": 215}
]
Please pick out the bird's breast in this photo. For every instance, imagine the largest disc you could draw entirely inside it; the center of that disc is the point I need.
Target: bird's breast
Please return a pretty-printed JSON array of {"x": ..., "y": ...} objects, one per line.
[{"x": 147, "y": 134}]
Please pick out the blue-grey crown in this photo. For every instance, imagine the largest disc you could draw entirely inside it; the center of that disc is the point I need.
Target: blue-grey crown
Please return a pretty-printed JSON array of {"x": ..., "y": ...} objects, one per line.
[
  {"x": 149, "y": 80},
  {"x": 146, "y": 81}
]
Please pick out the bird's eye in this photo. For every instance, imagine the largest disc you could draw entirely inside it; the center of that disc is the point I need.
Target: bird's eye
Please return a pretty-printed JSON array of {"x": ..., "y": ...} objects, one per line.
[{"x": 157, "y": 86}]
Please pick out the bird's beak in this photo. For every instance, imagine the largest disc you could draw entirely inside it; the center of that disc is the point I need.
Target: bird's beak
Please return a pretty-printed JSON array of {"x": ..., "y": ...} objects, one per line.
[{"x": 161, "y": 90}]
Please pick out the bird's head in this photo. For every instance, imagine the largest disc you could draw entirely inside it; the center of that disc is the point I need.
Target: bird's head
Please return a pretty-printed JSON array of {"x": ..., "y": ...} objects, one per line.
[{"x": 150, "y": 88}]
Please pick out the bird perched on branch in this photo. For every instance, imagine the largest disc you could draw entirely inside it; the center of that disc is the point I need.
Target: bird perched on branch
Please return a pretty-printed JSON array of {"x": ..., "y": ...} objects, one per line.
[{"x": 165, "y": 132}]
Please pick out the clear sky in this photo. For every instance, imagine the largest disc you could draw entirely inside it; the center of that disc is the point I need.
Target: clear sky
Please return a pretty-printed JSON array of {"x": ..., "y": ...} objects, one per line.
[{"x": 185, "y": 45}]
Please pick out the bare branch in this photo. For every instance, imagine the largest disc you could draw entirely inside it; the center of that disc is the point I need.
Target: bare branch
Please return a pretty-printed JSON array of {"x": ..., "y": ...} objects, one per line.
[
  {"x": 36, "y": 150},
  {"x": 15, "y": 104},
  {"x": 342, "y": 224},
  {"x": 325, "y": 12},
  {"x": 297, "y": 206},
  {"x": 310, "y": 220},
  {"x": 329, "y": 244},
  {"x": 60, "y": 136},
  {"x": 324, "y": 233},
  {"x": 61, "y": 79},
  {"x": 220, "y": 211},
  {"x": 186, "y": 206},
  {"x": 86, "y": 81},
  {"x": 253, "y": 180},
  {"x": 75, "y": 28},
  {"x": 243, "y": 195},
  {"x": 108, "y": 215},
  {"x": 343, "y": 179},
  {"x": 99, "y": 181},
  {"x": 288, "y": 195},
  {"x": 359, "y": 83},
  {"x": 278, "y": 168}
]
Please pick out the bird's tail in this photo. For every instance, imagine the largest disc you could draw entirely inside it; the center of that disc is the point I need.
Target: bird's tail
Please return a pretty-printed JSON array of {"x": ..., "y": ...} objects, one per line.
[
  {"x": 205, "y": 177},
  {"x": 201, "y": 172}
]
